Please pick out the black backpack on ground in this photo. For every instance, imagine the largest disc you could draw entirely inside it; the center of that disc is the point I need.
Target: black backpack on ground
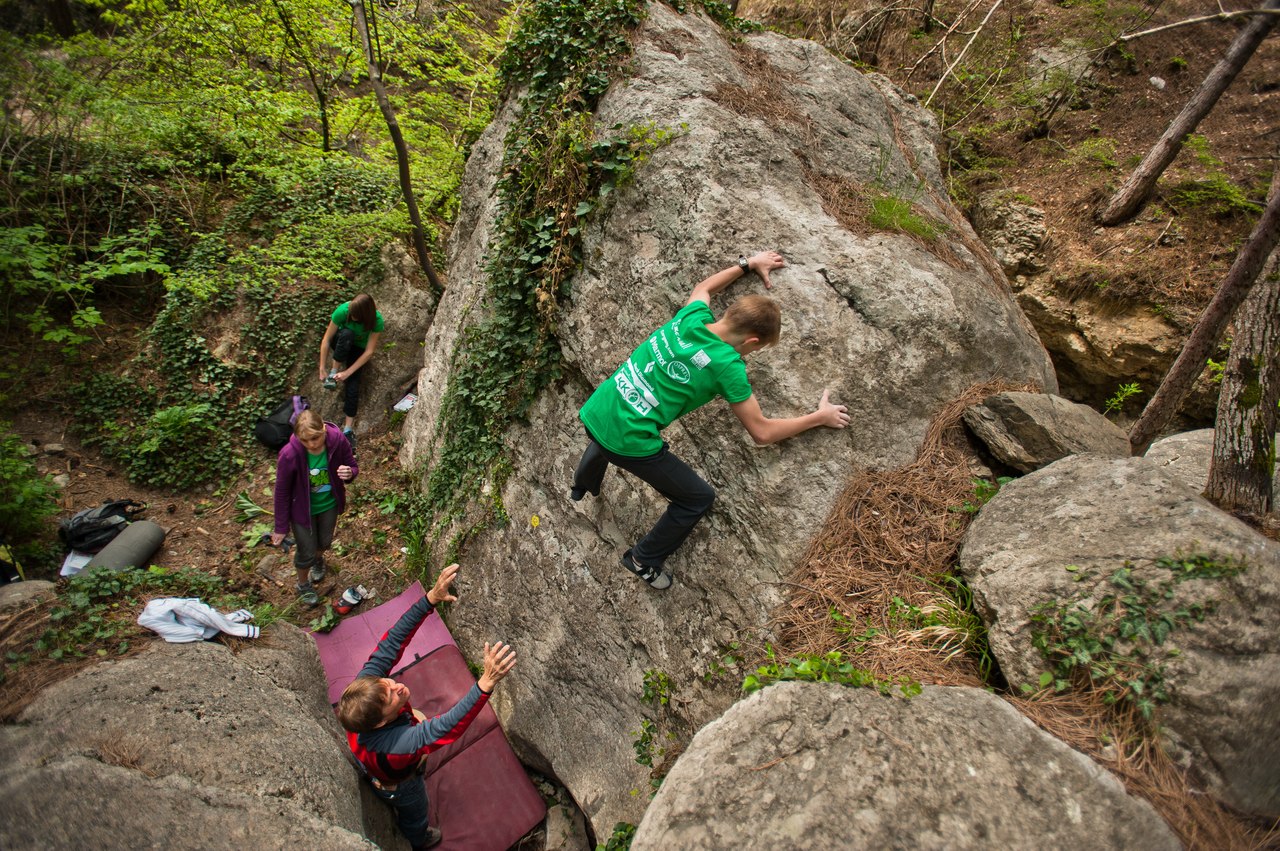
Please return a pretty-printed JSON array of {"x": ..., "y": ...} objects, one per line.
[
  {"x": 90, "y": 530},
  {"x": 274, "y": 429}
]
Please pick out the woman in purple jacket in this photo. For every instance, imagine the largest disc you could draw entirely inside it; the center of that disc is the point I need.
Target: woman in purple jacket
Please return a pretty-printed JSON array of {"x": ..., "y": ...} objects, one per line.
[{"x": 311, "y": 475}]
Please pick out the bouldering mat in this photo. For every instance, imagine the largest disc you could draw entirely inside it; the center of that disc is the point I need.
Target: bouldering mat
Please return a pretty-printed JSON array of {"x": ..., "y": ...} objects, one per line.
[
  {"x": 481, "y": 798},
  {"x": 345, "y": 649}
]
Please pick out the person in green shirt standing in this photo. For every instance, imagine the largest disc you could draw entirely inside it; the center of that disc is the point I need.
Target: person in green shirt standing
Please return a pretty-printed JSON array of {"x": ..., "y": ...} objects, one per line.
[
  {"x": 353, "y": 334},
  {"x": 681, "y": 366}
]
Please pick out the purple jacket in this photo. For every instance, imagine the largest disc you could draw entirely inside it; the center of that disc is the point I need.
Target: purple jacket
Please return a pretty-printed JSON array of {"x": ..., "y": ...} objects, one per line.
[{"x": 293, "y": 486}]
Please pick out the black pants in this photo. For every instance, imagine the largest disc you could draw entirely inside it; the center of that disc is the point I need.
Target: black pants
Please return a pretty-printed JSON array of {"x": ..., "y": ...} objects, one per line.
[
  {"x": 689, "y": 495},
  {"x": 346, "y": 353}
]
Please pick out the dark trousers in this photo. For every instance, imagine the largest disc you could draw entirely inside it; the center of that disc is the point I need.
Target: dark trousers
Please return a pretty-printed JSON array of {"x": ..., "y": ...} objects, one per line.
[
  {"x": 409, "y": 800},
  {"x": 346, "y": 352},
  {"x": 688, "y": 495},
  {"x": 313, "y": 540}
]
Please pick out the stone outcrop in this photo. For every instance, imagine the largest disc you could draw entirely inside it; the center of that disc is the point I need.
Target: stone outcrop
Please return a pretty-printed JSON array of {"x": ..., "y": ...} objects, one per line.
[
  {"x": 1029, "y": 430},
  {"x": 188, "y": 745},
  {"x": 817, "y": 766},
  {"x": 1014, "y": 230},
  {"x": 1098, "y": 515},
  {"x": 1187, "y": 456},
  {"x": 892, "y": 327},
  {"x": 407, "y": 304}
]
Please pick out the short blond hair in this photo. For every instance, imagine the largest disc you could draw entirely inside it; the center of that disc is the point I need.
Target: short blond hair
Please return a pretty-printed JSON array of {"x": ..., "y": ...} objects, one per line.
[
  {"x": 308, "y": 424},
  {"x": 756, "y": 316},
  {"x": 362, "y": 704}
]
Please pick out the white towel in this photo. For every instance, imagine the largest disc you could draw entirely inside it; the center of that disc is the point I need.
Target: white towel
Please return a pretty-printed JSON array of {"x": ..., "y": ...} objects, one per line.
[{"x": 183, "y": 619}]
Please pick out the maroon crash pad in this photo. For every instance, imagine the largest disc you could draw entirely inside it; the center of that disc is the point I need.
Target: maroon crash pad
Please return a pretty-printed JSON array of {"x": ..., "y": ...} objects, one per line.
[{"x": 481, "y": 798}]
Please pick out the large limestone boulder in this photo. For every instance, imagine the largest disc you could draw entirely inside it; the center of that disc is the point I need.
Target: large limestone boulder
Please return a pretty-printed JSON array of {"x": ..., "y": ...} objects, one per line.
[
  {"x": 187, "y": 743},
  {"x": 1029, "y": 430},
  {"x": 892, "y": 327},
  {"x": 406, "y": 302},
  {"x": 1098, "y": 515},
  {"x": 1187, "y": 455},
  {"x": 817, "y": 766}
]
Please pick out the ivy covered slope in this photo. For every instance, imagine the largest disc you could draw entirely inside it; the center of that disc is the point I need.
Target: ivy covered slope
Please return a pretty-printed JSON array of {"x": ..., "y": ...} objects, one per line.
[
  {"x": 218, "y": 174},
  {"x": 558, "y": 167}
]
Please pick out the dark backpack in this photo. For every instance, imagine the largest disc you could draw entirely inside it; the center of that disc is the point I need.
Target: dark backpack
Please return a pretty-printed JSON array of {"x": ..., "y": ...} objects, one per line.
[
  {"x": 90, "y": 530},
  {"x": 274, "y": 429}
]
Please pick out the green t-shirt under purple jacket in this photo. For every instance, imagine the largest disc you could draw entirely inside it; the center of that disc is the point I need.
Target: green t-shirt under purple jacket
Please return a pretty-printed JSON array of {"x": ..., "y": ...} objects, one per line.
[{"x": 680, "y": 368}]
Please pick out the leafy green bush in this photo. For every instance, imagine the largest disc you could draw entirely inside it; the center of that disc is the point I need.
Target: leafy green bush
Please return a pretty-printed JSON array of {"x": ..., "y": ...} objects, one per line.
[
  {"x": 828, "y": 668},
  {"x": 27, "y": 499},
  {"x": 97, "y": 609},
  {"x": 1116, "y": 643}
]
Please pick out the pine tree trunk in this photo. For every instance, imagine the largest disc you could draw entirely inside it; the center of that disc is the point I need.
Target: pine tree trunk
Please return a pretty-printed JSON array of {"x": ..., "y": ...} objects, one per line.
[
  {"x": 1244, "y": 437},
  {"x": 1244, "y": 271},
  {"x": 402, "y": 150},
  {"x": 1131, "y": 196}
]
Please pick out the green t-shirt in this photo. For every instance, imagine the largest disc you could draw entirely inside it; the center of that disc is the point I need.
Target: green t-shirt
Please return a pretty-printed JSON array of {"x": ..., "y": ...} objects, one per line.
[
  {"x": 358, "y": 331},
  {"x": 680, "y": 368},
  {"x": 322, "y": 498}
]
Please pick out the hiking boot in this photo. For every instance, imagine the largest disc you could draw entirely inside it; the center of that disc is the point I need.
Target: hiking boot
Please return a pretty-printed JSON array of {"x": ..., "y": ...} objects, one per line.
[
  {"x": 316, "y": 573},
  {"x": 350, "y": 436},
  {"x": 655, "y": 576},
  {"x": 307, "y": 595},
  {"x": 431, "y": 840},
  {"x": 331, "y": 383}
]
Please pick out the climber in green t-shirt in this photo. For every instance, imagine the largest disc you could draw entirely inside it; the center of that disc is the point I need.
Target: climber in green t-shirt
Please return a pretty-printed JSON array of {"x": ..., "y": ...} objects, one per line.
[
  {"x": 680, "y": 367},
  {"x": 352, "y": 335}
]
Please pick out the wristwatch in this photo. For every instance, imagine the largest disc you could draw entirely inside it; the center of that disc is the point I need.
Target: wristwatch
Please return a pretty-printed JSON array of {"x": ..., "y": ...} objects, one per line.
[{"x": 743, "y": 264}]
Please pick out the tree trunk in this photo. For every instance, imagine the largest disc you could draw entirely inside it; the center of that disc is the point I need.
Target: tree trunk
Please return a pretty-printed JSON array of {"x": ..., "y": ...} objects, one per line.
[
  {"x": 1244, "y": 437},
  {"x": 317, "y": 85},
  {"x": 1244, "y": 271},
  {"x": 1133, "y": 195},
  {"x": 402, "y": 150}
]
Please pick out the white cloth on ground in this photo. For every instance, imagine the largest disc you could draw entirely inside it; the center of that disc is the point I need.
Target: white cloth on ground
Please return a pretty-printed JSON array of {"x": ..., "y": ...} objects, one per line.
[{"x": 182, "y": 619}]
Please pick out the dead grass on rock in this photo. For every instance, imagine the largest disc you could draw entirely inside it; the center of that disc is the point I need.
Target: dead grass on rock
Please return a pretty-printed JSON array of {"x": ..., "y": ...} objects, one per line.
[
  {"x": 882, "y": 563},
  {"x": 894, "y": 535},
  {"x": 1121, "y": 741}
]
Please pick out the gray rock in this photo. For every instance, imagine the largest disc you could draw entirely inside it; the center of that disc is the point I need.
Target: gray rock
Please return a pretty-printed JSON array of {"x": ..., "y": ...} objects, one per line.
[
  {"x": 1187, "y": 456},
  {"x": 185, "y": 743},
  {"x": 817, "y": 766},
  {"x": 54, "y": 449},
  {"x": 20, "y": 595},
  {"x": 407, "y": 304},
  {"x": 890, "y": 326},
  {"x": 1029, "y": 430},
  {"x": 1014, "y": 230},
  {"x": 1098, "y": 515},
  {"x": 566, "y": 829},
  {"x": 1061, "y": 65},
  {"x": 61, "y": 480}
]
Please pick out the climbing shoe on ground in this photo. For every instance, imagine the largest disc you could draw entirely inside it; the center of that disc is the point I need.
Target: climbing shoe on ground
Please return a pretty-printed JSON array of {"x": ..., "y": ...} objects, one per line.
[
  {"x": 655, "y": 576},
  {"x": 307, "y": 596},
  {"x": 351, "y": 598}
]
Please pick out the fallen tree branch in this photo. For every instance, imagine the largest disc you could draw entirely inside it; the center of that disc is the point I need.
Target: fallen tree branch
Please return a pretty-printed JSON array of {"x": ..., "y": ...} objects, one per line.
[
  {"x": 968, "y": 44},
  {"x": 1203, "y": 19}
]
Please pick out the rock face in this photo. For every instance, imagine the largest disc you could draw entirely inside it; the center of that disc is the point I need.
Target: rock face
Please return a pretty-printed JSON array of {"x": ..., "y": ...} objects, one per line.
[
  {"x": 1097, "y": 515},
  {"x": 187, "y": 744},
  {"x": 1029, "y": 430},
  {"x": 1187, "y": 456},
  {"x": 1014, "y": 230},
  {"x": 407, "y": 304},
  {"x": 810, "y": 765},
  {"x": 892, "y": 328}
]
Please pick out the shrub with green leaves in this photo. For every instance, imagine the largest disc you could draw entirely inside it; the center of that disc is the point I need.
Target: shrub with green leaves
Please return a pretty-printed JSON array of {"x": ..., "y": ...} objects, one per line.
[
  {"x": 1116, "y": 643},
  {"x": 27, "y": 498},
  {"x": 831, "y": 667},
  {"x": 97, "y": 610}
]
